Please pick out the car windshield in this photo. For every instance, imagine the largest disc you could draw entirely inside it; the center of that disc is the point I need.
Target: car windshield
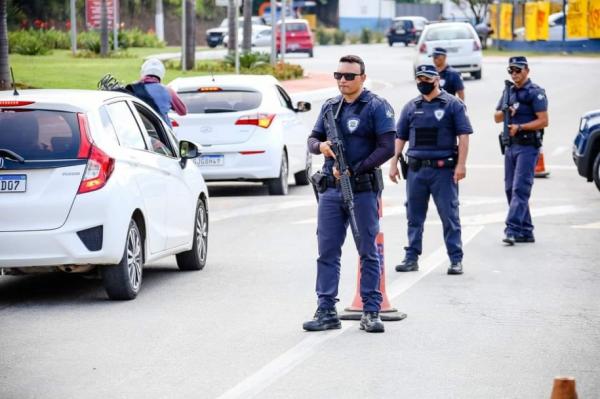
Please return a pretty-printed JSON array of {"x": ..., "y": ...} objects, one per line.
[
  {"x": 39, "y": 135},
  {"x": 296, "y": 27},
  {"x": 419, "y": 23},
  {"x": 457, "y": 32},
  {"x": 207, "y": 102}
]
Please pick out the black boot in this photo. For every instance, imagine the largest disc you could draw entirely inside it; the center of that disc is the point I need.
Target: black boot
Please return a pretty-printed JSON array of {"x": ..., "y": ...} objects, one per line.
[
  {"x": 509, "y": 239},
  {"x": 408, "y": 265},
  {"x": 370, "y": 322},
  {"x": 324, "y": 319},
  {"x": 455, "y": 268}
]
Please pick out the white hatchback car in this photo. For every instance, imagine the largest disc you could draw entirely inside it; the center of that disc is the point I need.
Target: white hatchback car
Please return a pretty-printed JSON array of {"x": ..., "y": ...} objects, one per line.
[
  {"x": 92, "y": 178},
  {"x": 460, "y": 41},
  {"x": 261, "y": 36},
  {"x": 247, "y": 127}
]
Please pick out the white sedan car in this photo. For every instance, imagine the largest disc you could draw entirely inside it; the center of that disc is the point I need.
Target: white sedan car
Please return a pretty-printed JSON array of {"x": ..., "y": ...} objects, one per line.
[
  {"x": 96, "y": 179},
  {"x": 247, "y": 127},
  {"x": 261, "y": 36},
  {"x": 460, "y": 41}
]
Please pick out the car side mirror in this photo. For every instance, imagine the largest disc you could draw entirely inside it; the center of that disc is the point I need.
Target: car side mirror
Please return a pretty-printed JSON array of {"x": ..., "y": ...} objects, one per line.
[
  {"x": 188, "y": 150},
  {"x": 303, "y": 106}
]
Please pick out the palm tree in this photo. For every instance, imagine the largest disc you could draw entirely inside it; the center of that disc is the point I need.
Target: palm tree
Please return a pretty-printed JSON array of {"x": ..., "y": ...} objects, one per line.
[
  {"x": 247, "y": 41},
  {"x": 159, "y": 20},
  {"x": 190, "y": 34},
  {"x": 4, "y": 69},
  {"x": 104, "y": 29},
  {"x": 232, "y": 26}
]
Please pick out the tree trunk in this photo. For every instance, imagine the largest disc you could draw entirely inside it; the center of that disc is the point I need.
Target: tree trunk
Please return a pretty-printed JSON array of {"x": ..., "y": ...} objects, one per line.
[
  {"x": 159, "y": 21},
  {"x": 247, "y": 42},
  {"x": 190, "y": 34},
  {"x": 232, "y": 28},
  {"x": 4, "y": 65},
  {"x": 104, "y": 29}
]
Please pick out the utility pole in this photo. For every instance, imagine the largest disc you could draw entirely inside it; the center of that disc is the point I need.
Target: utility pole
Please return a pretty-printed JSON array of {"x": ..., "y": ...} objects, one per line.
[
  {"x": 183, "y": 31},
  {"x": 159, "y": 21},
  {"x": 282, "y": 30},
  {"x": 116, "y": 24},
  {"x": 273, "y": 33},
  {"x": 237, "y": 44},
  {"x": 73, "y": 28}
]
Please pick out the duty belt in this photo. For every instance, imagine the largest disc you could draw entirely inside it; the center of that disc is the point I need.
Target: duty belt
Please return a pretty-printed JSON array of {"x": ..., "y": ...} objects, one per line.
[
  {"x": 364, "y": 182},
  {"x": 416, "y": 164},
  {"x": 533, "y": 138}
]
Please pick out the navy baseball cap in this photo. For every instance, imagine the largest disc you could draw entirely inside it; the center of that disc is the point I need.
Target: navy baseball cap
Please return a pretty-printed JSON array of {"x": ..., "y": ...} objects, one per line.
[
  {"x": 439, "y": 51},
  {"x": 426, "y": 70},
  {"x": 518, "y": 61}
]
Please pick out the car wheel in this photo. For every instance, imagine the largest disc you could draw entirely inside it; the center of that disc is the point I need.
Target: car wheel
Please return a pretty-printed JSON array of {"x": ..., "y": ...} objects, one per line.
[
  {"x": 476, "y": 75},
  {"x": 596, "y": 171},
  {"x": 195, "y": 258},
  {"x": 310, "y": 54},
  {"x": 391, "y": 43},
  {"x": 124, "y": 280},
  {"x": 279, "y": 185},
  {"x": 212, "y": 45},
  {"x": 302, "y": 178}
]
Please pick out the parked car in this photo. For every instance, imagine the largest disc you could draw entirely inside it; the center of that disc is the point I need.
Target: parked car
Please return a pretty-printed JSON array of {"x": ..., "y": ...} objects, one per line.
[
  {"x": 405, "y": 30},
  {"x": 460, "y": 41},
  {"x": 247, "y": 127},
  {"x": 586, "y": 148},
  {"x": 214, "y": 36},
  {"x": 261, "y": 36},
  {"x": 298, "y": 37},
  {"x": 93, "y": 180},
  {"x": 556, "y": 23}
]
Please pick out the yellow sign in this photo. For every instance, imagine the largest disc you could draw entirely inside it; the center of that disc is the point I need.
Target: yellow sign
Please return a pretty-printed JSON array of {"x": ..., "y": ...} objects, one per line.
[
  {"x": 506, "y": 21},
  {"x": 577, "y": 19},
  {"x": 543, "y": 11},
  {"x": 531, "y": 21},
  {"x": 594, "y": 19},
  {"x": 494, "y": 20}
]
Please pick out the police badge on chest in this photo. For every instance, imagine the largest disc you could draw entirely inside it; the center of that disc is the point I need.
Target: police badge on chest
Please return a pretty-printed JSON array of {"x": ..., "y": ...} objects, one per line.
[
  {"x": 439, "y": 114},
  {"x": 353, "y": 124}
]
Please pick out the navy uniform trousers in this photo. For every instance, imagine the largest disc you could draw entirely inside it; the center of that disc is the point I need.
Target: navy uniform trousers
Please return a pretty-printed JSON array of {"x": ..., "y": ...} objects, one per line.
[
  {"x": 438, "y": 183},
  {"x": 519, "y": 171},
  {"x": 331, "y": 232}
]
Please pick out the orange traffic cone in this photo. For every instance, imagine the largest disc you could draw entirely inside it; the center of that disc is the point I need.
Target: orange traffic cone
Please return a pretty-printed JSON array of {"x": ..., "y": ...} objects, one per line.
[
  {"x": 564, "y": 388},
  {"x": 540, "y": 167},
  {"x": 387, "y": 312}
]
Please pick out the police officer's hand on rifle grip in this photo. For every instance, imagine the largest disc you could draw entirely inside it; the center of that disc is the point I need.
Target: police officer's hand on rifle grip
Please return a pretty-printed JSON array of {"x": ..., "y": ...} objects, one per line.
[{"x": 325, "y": 148}]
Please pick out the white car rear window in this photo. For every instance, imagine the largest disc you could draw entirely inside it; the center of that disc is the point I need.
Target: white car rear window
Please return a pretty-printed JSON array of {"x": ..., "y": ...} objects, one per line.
[
  {"x": 448, "y": 33},
  {"x": 209, "y": 102},
  {"x": 38, "y": 135}
]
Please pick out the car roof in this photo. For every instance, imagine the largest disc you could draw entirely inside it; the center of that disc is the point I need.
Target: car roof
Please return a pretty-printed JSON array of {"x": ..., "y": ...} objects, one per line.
[
  {"x": 409, "y": 17},
  {"x": 447, "y": 24},
  {"x": 67, "y": 99},
  {"x": 294, "y": 20},
  {"x": 238, "y": 81}
]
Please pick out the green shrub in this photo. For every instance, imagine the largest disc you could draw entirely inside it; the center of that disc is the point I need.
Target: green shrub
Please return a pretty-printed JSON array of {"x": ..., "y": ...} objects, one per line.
[
  {"x": 249, "y": 59},
  {"x": 323, "y": 36},
  {"x": 366, "y": 35},
  {"x": 136, "y": 38},
  {"x": 89, "y": 41},
  {"x": 55, "y": 39},
  {"x": 339, "y": 36},
  {"x": 353, "y": 39},
  {"x": 27, "y": 42},
  {"x": 378, "y": 37}
]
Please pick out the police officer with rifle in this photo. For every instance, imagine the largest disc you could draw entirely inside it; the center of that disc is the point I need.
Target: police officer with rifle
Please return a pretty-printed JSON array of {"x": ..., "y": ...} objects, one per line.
[
  {"x": 355, "y": 132},
  {"x": 523, "y": 109}
]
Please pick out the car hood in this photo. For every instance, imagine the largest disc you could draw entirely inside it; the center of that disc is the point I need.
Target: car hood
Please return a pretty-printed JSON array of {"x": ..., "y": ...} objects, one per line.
[{"x": 217, "y": 30}]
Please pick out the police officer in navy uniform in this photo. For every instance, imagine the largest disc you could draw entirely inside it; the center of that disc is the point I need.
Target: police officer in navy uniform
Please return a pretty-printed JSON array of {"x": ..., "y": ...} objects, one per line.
[
  {"x": 528, "y": 117},
  {"x": 366, "y": 123},
  {"x": 450, "y": 79},
  {"x": 432, "y": 123}
]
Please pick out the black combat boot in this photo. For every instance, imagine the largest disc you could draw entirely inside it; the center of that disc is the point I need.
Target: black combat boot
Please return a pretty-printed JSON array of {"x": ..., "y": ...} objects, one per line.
[
  {"x": 509, "y": 239},
  {"x": 408, "y": 265},
  {"x": 370, "y": 322},
  {"x": 455, "y": 268},
  {"x": 324, "y": 319}
]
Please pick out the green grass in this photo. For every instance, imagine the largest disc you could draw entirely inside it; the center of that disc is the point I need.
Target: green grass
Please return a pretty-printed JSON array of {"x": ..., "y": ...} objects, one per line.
[
  {"x": 509, "y": 53},
  {"x": 60, "y": 70}
]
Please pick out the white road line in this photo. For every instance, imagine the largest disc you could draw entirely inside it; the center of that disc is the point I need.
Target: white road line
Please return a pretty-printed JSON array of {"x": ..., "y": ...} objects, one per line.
[
  {"x": 559, "y": 150},
  {"x": 217, "y": 216},
  {"x": 286, "y": 362},
  {"x": 595, "y": 225},
  {"x": 500, "y": 217}
]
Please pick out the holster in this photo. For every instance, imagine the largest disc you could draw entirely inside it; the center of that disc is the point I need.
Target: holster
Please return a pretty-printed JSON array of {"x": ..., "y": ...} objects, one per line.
[
  {"x": 503, "y": 143},
  {"x": 403, "y": 167},
  {"x": 319, "y": 181}
]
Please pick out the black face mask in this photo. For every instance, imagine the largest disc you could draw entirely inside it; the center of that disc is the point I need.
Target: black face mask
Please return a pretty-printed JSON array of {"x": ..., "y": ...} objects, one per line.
[{"x": 425, "y": 87}]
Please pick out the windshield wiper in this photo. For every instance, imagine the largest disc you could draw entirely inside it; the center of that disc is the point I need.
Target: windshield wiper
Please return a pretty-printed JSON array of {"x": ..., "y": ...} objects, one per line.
[
  {"x": 217, "y": 110},
  {"x": 11, "y": 154}
]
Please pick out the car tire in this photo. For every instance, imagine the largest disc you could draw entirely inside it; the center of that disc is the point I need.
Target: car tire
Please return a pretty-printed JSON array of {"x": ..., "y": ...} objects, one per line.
[
  {"x": 406, "y": 44},
  {"x": 195, "y": 258},
  {"x": 476, "y": 75},
  {"x": 124, "y": 280},
  {"x": 310, "y": 54},
  {"x": 391, "y": 43},
  {"x": 212, "y": 45},
  {"x": 596, "y": 171},
  {"x": 279, "y": 185},
  {"x": 302, "y": 178}
]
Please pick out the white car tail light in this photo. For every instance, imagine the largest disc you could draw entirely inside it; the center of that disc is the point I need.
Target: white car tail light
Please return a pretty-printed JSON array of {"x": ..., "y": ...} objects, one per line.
[
  {"x": 260, "y": 120},
  {"x": 99, "y": 166}
]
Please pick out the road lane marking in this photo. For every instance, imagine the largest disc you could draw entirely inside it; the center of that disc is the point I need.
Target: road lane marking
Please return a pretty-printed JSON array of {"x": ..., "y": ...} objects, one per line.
[
  {"x": 595, "y": 225},
  {"x": 286, "y": 362},
  {"x": 559, "y": 150},
  {"x": 252, "y": 210}
]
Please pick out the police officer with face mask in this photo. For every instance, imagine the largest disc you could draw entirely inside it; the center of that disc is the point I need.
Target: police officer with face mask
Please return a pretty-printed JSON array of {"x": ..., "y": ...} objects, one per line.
[
  {"x": 365, "y": 123},
  {"x": 528, "y": 107},
  {"x": 432, "y": 123}
]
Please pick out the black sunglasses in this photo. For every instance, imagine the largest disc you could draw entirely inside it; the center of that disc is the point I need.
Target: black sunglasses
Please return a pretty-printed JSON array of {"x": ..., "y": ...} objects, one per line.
[
  {"x": 347, "y": 75},
  {"x": 514, "y": 70}
]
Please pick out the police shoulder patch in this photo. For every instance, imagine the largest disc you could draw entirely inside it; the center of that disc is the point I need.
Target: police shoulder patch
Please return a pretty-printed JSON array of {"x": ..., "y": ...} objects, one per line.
[{"x": 540, "y": 96}]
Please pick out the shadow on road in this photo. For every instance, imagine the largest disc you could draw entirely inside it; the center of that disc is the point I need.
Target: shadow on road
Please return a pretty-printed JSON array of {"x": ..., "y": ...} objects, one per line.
[{"x": 244, "y": 190}]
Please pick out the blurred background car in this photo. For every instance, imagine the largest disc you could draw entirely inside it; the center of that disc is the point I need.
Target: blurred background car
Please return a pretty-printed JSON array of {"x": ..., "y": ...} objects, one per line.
[
  {"x": 460, "y": 41},
  {"x": 247, "y": 128},
  {"x": 298, "y": 37},
  {"x": 93, "y": 180},
  {"x": 214, "y": 36},
  {"x": 261, "y": 36},
  {"x": 556, "y": 24},
  {"x": 586, "y": 148},
  {"x": 405, "y": 30}
]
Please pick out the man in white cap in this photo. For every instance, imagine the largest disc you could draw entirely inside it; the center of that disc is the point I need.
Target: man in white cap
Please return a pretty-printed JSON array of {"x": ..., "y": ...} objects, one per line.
[{"x": 150, "y": 89}]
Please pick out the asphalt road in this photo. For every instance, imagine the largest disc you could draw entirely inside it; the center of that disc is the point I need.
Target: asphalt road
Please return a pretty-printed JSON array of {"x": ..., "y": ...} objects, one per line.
[{"x": 517, "y": 318}]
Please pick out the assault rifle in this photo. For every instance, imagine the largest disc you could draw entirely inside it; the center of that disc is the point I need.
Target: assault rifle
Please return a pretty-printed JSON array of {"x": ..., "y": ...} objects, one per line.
[
  {"x": 504, "y": 137},
  {"x": 342, "y": 165}
]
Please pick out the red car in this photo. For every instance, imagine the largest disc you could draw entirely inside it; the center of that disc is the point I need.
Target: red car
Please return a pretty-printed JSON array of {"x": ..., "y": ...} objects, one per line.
[{"x": 298, "y": 38}]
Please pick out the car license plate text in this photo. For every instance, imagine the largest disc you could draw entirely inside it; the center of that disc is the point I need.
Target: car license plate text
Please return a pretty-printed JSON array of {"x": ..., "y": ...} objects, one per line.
[
  {"x": 13, "y": 183},
  {"x": 212, "y": 160}
]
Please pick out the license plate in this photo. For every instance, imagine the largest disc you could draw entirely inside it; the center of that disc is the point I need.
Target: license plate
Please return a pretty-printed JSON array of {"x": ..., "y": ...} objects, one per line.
[
  {"x": 13, "y": 183},
  {"x": 452, "y": 49},
  {"x": 212, "y": 160},
  {"x": 294, "y": 46}
]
